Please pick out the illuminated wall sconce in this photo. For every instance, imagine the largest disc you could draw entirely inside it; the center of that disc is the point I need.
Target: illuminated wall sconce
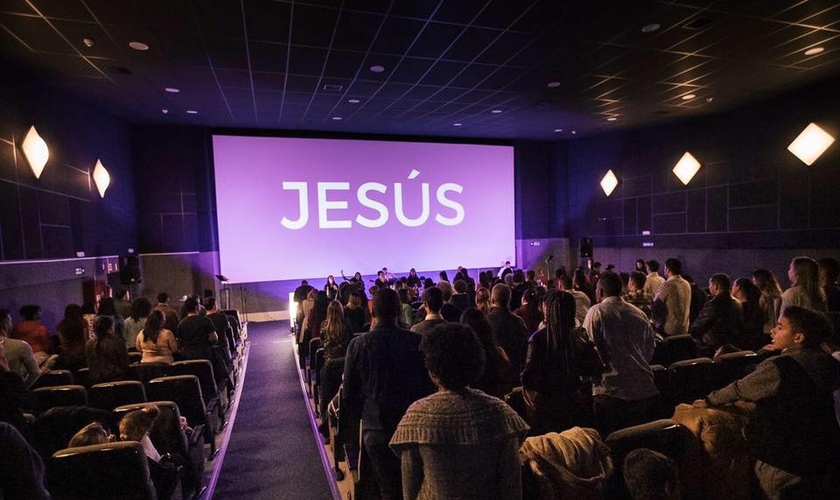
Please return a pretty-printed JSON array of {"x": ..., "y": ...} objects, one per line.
[
  {"x": 686, "y": 168},
  {"x": 810, "y": 144},
  {"x": 101, "y": 178},
  {"x": 36, "y": 151},
  {"x": 609, "y": 182}
]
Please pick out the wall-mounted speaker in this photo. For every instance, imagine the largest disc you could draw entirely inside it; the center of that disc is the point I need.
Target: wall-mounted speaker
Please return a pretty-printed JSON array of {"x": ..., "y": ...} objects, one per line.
[
  {"x": 586, "y": 247},
  {"x": 130, "y": 269}
]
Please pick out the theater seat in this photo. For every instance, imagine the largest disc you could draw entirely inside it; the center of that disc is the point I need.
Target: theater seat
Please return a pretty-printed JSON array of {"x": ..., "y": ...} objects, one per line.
[
  {"x": 185, "y": 391},
  {"x": 673, "y": 349},
  {"x": 693, "y": 379},
  {"x": 83, "y": 377},
  {"x": 109, "y": 395},
  {"x": 101, "y": 472},
  {"x": 53, "y": 378},
  {"x": 60, "y": 395},
  {"x": 147, "y": 371},
  {"x": 735, "y": 365}
]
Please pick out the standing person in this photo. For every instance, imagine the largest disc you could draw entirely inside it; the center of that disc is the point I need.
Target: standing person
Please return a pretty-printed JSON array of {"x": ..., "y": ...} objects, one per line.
[
  {"x": 171, "y": 315},
  {"x": 33, "y": 332},
  {"x": 123, "y": 302},
  {"x": 106, "y": 354},
  {"x": 636, "y": 293},
  {"x": 654, "y": 280},
  {"x": 530, "y": 311},
  {"x": 829, "y": 270},
  {"x": 582, "y": 302},
  {"x": 432, "y": 304},
  {"x": 107, "y": 307},
  {"x": 331, "y": 288},
  {"x": 805, "y": 288},
  {"x": 752, "y": 333},
  {"x": 510, "y": 331},
  {"x": 556, "y": 397},
  {"x": 626, "y": 394},
  {"x": 496, "y": 378},
  {"x": 196, "y": 334},
  {"x": 771, "y": 297},
  {"x": 73, "y": 334},
  {"x": 482, "y": 299},
  {"x": 795, "y": 435},
  {"x": 354, "y": 313},
  {"x": 383, "y": 375},
  {"x": 672, "y": 303},
  {"x": 223, "y": 330},
  {"x": 459, "y": 442},
  {"x": 19, "y": 354},
  {"x": 335, "y": 332},
  {"x": 641, "y": 266}
]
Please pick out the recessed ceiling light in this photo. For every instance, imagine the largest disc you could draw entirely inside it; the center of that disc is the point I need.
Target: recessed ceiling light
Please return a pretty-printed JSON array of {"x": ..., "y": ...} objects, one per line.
[
  {"x": 612, "y": 119},
  {"x": 89, "y": 42},
  {"x": 164, "y": 111},
  {"x": 574, "y": 132},
  {"x": 650, "y": 28},
  {"x": 688, "y": 97},
  {"x": 710, "y": 99},
  {"x": 192, "y": 112},
  {"x": 337, "y": 118},
  {"x": 377, "y": 68},
  {"x": 138, "y": 46},
  {"x": 553, "y": 85},
  {"x": 496, "y": 111},
  {"x": 558, "y": 130},
  {"x": 172, "y": 90},
  {"x": 814, "y": 51},
  {"x": 457, "y": 124},
  {"x": 353, "y": 101}
]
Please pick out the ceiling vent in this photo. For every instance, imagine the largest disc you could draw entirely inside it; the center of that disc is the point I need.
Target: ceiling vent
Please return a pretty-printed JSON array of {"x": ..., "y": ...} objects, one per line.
[
  {"x": 698, "y": 23},
  {"x": 333, "y": 88}
]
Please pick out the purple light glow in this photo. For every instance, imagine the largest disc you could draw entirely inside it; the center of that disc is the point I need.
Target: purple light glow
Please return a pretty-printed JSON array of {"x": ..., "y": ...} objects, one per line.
[{"x": 368, "y": 204}]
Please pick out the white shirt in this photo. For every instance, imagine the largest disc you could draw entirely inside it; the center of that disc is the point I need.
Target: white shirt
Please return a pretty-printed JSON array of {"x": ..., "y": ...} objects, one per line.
[
  {"x": 652, "y": 283},
  {"x": 675, "y": 294}
]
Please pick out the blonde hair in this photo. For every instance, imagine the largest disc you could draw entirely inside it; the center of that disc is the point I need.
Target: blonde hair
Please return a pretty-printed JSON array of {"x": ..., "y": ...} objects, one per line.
[
  {"x": 334, "y": 328},
  {"x": 482, "y": 299},
  {"x": 135, "y": 425}
]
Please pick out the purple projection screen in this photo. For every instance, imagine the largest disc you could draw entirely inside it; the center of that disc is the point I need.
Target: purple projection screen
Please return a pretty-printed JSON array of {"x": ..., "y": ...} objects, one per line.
[{"x": 292, "y": 208}]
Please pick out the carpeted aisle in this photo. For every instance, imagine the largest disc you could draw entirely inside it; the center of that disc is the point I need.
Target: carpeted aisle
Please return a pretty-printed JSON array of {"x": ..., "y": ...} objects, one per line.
[{"x": 272, "y": 452}]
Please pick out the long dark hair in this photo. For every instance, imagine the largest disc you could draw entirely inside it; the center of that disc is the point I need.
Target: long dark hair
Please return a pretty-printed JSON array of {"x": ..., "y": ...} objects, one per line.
[
  {"x": 153, "y": 326},
  {"x": 559, "y": 332},
  {"x": 72, "y": 328},
  {"x": 140, "y": 308},
  {"x": 101, "y": 327}
]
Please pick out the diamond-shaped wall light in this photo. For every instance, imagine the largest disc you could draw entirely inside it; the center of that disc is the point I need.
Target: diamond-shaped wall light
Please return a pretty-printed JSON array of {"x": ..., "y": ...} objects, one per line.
[
  {"x": 810, "y": 144},
  {"x": 609, "y": 182},
  {"x": 686, "y": 168},
  {"x": 36, "y": 151},
  {"x": 101, "y": 178}
]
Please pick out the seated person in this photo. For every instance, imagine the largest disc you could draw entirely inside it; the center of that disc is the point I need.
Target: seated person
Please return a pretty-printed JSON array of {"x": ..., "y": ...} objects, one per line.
[
  {"x": 458, "y": 442},
  {"x": 196, "y": 333},
  {"x": 33, "y": 332},
  {"x": 135, "y": 426},
  {"x": 19, "y": 353},
  {"x": 106, "y": 354},
  {"x": 21, "y": 469},
  {"x": 157, "y": 344},
  {"x": 650, "y": 475},
  {"x": 91, "y": 434},
  {"x": 795, "y": 434},
  {"x": 15, "y": 398}
]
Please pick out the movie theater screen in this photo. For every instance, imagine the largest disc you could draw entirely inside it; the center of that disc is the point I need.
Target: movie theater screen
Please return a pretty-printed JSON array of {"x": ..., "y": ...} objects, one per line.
[{"x": 291, "y": 208}]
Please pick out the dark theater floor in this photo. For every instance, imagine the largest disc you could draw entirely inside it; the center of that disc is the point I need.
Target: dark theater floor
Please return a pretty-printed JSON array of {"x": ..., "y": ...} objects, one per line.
[{"x": 272, "y": 451}]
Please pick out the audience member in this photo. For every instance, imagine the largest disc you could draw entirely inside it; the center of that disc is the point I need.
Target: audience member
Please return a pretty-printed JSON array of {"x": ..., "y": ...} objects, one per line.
[
  {"x": 223, "y": 329},
  {"x": 106, "y": 354},
  {"x": 354, "y": 313},
  {"x": 496, "y": 379},
  {"x": 530, "y": 311},
  {"x": 447, "y": 310},
  {"x": 482, "y": 299},
  {"x": 720, "y": 321},
  {"x": 654, "y": 280},
  {"x": 752, "y": 331},
  {"x": 19, "y": 354},
  {"x": 73, "y": 334},
  {"x": 650, "y": 475},
  {"x": 122, "y": 302},
  {"x": 91, "y": 434},
  {"x": 331, "y": 288},
  {"x": 461, "y": 297},
  {"x": 459, "y": 442},
  {"x": 636, "y": 293},
  {"x": 432, "y": 304},
  {"x": 582, "y": 284},
  {"x": 829, "y": 270},
  {"x": 508, "y": 329},
  {"x": 795, "y": 432},
  {"x": 671, "y": 304},
  {"x": 335, "y": 332},
  {"x": 134, "y": 322},
  {"x": 582, "y": 302},
  {"x": 15, "y": 398},
  {"x": 641, "y": 266},
  {"x": 33, "y": 332},
  {"x": 107, "y": 308},
  {"x": 21, "y": 469},
  {"x": 771, "y": 297},
  {"x": 155, "y": 341},
  {"x": 554, "y": 393},
  {"x": 626, "y": 394},
  {"x": 698, "y": 299},
  {"x": 805, "y": 288},
  {"x": 383, "y": 375},
  {"x": 196, "y": 334},
  {"x": 171, "y": 315}
]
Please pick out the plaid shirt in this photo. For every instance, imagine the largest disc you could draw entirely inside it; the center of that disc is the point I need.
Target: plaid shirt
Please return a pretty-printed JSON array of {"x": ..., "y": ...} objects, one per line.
[{"x": 640, "y": 299}]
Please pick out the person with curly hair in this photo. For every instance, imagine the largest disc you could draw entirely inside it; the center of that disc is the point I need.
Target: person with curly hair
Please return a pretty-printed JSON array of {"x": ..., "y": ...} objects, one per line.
[{"x": 458, "y": 442}]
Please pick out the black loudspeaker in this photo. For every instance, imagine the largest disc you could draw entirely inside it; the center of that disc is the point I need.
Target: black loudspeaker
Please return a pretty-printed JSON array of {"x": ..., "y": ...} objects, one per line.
[
  {"x": 586, "y": 247},
  {"x": 130, "y": 269}
]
